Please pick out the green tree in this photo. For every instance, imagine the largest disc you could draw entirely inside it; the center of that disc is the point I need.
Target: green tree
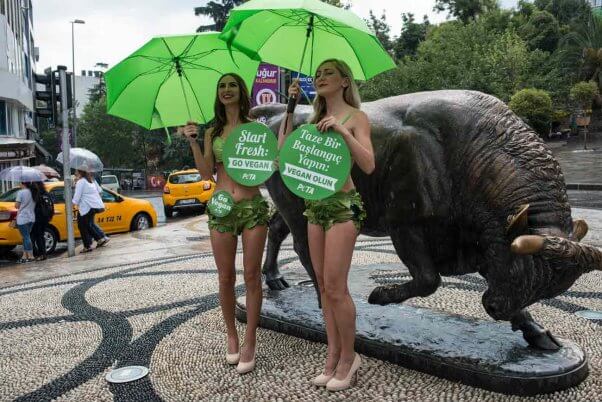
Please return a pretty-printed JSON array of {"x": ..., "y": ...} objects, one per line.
[
  {"x": 381, "y": 29},
  {"x": 115, "y": 140},
  {"x": 583, "y": 93},
  {"x": 582, "y": 49},
  {"x": 534, "y": 106},
  {"x": 542, "y": 31},
  {"x": 465, "y": 10},
  {"x": 567, "y": 12},
  {"x": 412, "y": 34},
  {"x": 218, "y": 11}
]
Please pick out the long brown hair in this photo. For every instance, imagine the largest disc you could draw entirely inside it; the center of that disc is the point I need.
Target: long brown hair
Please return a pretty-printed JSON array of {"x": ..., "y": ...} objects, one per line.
[
  {"x": 244, "y": 103},
  {"x": 351, "y": 94}
]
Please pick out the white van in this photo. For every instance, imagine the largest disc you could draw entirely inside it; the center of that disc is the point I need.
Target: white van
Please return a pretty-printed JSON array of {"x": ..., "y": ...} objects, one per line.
[{"x": 110, "y": 182}]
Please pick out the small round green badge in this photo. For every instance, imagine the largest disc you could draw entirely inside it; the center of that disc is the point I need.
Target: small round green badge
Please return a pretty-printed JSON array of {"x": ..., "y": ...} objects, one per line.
[
  {"x": 249, "y": 153},
  {"x": 220, "y": 204},
  {"x": 314, "y": 165}
]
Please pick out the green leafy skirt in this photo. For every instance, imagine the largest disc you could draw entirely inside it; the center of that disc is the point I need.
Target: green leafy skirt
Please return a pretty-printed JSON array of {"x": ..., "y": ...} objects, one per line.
[
  {"x": 245, "y": 214},
  {"x": 338, "y": 208}
]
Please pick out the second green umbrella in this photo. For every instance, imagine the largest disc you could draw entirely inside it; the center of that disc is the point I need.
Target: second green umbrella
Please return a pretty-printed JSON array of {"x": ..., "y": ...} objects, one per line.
[
  {"x": 293, "y": 33},
  {"x": 171, "y": 80}
]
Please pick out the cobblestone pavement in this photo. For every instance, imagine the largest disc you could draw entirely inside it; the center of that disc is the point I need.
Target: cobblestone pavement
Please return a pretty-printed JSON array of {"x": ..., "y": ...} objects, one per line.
[{"x": 62, "y": 333}]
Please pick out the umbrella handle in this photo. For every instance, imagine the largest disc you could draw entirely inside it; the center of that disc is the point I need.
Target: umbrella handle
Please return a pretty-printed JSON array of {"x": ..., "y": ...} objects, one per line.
[{"x": 292, "y": 103}]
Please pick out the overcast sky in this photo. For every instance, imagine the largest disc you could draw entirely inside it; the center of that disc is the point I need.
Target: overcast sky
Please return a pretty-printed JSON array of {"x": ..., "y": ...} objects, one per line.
[{"x": 115, "y": 28}]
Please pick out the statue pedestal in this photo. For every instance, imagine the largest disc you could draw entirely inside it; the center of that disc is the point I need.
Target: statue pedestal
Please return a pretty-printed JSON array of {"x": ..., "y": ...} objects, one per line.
[{"x": 475, "y": 352}]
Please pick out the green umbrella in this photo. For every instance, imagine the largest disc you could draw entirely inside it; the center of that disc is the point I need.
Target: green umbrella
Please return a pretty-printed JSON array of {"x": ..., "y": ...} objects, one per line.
[
  {"x": 171, "y": 80},
  {"x": 289, "y": 32}
]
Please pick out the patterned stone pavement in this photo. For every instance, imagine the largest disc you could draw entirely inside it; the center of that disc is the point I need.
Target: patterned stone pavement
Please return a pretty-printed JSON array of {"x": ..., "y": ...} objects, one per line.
[{"x": 61, "y": 335}]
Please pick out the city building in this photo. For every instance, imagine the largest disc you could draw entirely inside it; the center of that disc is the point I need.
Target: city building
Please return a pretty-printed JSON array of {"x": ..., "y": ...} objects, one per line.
[
  {"x": 18, "y": 55},
  {"x": 88, "y": 80},
  {"x": 596, "y": 3}
]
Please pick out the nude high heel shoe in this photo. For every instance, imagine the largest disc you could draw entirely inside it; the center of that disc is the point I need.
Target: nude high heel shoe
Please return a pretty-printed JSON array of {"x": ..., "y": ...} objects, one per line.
[
  {"x": 322, "y": 379},
  {"x": 232, "y": 358},
  {"x": 349, "y": 380},
  {"x": 245, "y": 367}
]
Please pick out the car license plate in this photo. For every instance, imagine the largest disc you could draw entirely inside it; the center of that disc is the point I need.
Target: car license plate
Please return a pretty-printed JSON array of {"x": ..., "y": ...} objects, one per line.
[{"x": 190, "y": 201}]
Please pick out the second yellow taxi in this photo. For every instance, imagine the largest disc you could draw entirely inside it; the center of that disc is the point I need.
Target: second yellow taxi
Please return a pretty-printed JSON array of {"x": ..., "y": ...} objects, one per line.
[{"x": 186, "y": 189}]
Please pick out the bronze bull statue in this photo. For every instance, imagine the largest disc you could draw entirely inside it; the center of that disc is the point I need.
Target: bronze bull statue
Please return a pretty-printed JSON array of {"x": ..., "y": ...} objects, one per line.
[{"x": 461, "y": 185}]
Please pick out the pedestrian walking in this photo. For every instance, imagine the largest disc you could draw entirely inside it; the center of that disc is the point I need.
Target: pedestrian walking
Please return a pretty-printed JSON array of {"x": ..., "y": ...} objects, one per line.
[
  {"x": 333, "y": 223},
  {"x": 249, "y": 218},
  {"x": 89, "y": 203},
  {"x": 44, "y": 211},
  {"x": 25, "y": 206}
]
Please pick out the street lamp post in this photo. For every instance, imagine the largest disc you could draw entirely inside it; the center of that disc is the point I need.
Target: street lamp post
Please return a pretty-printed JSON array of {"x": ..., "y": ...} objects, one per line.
[{"x": 73, "y": 86}]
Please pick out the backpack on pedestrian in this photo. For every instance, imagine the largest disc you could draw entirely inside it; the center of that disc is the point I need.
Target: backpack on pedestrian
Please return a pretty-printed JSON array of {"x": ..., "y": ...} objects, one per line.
[{"x": 45, "y": 206}]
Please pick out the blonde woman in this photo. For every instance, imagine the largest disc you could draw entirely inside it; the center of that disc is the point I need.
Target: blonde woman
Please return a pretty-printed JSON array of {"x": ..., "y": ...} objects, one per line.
[{"x": 334, "y": 222}]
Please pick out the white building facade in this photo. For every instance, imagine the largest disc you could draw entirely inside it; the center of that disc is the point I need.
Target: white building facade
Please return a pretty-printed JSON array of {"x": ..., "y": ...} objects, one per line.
[{"x": 18, "y": 144}]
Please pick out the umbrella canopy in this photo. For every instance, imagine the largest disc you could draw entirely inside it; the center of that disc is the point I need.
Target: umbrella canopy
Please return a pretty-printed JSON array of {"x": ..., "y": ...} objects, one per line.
[
  {"x": 288, "y": 32},
  {"x": 23, "y": 174},
  {"x": 172, "y": 80},
  {"x": 82, "y": 159},
  {"x": 48, "y": 171}
]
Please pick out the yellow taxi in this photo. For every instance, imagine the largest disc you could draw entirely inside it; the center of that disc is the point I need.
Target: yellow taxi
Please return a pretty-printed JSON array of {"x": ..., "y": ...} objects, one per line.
[
  {"x": 121, "y": 214},
  {"x": 186, "y": 189}
]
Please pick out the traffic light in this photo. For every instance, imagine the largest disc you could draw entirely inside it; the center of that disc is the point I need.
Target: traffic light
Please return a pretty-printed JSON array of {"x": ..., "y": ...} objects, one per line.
[{"x": 46, "y": 101}]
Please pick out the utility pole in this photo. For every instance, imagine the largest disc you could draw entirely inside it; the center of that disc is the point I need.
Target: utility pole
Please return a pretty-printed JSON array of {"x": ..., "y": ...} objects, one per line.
[{"x": 66, "y": 166}]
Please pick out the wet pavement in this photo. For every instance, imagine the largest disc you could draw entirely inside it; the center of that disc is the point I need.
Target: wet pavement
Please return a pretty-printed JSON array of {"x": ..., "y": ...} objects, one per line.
[
  {"x": 150, "y": 298},
  {"x": 579, "y": 165}
]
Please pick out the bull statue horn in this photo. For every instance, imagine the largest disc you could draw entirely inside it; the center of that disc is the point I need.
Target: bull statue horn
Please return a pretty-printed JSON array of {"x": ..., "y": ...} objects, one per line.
[
  {"x": 580, "y": 229},
  {"x": 588, "y": 258},
  {"x": 517, "y": 223}
]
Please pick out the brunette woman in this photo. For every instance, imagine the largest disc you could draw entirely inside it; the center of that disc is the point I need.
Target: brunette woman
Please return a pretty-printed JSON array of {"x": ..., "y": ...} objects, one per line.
[{"x": 248, "y": 219}]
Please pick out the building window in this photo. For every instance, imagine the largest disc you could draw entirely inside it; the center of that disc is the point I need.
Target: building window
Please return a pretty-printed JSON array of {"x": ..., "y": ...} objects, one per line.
[{"x": 3, "y": 127}]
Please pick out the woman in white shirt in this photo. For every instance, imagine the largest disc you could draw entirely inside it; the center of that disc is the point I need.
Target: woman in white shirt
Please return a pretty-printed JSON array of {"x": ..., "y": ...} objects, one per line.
[
  {"x": 25, "y": 204},
  {"x": 88, "y": 201}
]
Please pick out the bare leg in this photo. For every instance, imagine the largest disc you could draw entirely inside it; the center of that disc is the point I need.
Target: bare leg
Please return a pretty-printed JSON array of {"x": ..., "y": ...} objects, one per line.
[
  {"x": 253, "y": 242},
  {"x": 338, "y": 251},
  {"x": 224, "y": 252},
  {"x": 316, "y": 250}
]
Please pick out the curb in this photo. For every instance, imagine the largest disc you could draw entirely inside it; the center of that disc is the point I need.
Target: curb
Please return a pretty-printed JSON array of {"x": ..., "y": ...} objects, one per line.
[{"x": 584, "y": 186}]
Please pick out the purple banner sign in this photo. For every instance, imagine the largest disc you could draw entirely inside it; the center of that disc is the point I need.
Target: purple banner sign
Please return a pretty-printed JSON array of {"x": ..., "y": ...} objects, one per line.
[{"x": 265, "y": 89}]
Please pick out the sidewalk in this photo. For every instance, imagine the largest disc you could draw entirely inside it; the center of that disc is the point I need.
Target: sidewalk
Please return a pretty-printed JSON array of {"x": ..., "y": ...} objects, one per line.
[
  {"x": 151, "y": 298},
  {"x": 582, "y": 169}
]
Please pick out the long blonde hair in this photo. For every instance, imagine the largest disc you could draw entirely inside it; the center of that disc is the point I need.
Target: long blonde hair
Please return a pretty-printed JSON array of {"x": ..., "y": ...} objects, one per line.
[{"x": 351, "y": 94}]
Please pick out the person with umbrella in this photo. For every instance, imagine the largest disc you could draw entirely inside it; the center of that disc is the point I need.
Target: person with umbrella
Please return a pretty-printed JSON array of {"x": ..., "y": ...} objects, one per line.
[
  {"x": 44, "y": 210},
  {"x": 232, "y": 105},
  {"x": 25, "y": 203},
  {"x": 334, "y": 222},
  {"x": 89, "y": 203}
]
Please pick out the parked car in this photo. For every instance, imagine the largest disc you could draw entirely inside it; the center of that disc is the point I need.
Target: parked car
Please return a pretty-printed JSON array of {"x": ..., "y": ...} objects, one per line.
[
  {"x": 110, "y": 182},
  {"x": 121, "y": 214},
  {"x": 186, "y": 189}
]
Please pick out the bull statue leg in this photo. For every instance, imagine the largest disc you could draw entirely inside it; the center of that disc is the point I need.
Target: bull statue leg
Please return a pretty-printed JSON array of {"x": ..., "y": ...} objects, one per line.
[
  {"x": 535, "y": 335},
  {"x": 277, "y": 232},
  {"x": 290, "y": 208},
  {"x": 410, "y": 246}
]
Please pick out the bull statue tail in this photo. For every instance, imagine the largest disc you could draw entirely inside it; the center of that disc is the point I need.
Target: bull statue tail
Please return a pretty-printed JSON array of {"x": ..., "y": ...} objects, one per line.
[{"x": 586, "y": 257}]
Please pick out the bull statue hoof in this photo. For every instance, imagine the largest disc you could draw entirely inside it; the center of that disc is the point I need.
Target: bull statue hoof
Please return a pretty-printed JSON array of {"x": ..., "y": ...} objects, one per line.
[
  {"x": 277, "y": 283},
  {"x": 384, "y": 295}
]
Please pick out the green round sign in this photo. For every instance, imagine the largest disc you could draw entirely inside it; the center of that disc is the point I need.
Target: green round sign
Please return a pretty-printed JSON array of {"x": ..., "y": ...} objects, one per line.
[
  {"x": 249, "y": 153},
  {"x": 220, "y": 204},
  {"x": 314, "y": 165}
]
